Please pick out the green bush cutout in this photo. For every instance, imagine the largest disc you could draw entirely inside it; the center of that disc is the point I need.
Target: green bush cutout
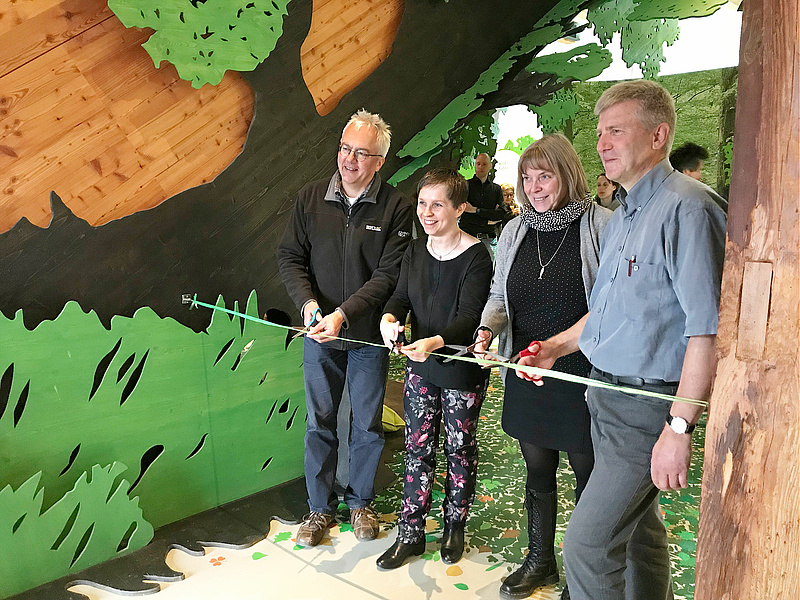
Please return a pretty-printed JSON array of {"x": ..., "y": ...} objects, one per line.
[
  {"x": 204, "y": 38},
  {"x": 91, "y": 523},
  {"x": 203, "y": 418}
]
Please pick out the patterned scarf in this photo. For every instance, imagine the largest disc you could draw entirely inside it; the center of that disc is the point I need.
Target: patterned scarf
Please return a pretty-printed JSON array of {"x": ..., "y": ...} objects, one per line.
[{"x": 553, "y": 220}]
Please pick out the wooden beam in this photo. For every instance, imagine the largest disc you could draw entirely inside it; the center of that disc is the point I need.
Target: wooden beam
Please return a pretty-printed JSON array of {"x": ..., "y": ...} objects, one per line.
[{"x": 749, "y": 534}]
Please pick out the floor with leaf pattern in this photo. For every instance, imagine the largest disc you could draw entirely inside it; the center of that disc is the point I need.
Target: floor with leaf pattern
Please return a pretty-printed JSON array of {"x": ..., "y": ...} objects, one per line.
[{"x": 343, "y": 568}]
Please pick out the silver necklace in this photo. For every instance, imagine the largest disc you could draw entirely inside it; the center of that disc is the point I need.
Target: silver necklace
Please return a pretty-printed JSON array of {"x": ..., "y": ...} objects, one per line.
[
  {"x": 539, "y": 252},
  {"x": 438, "y": 256}
]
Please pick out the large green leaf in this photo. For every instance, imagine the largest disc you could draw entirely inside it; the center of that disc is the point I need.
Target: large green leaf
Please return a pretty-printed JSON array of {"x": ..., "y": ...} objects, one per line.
[
  {"x": 562, "y": 107},
  {"x": 643, "y": 43},
  {"x": 676, "y": 9},
  {"x": 204, "y": 38},
  {"x": 581, "y": 63}
]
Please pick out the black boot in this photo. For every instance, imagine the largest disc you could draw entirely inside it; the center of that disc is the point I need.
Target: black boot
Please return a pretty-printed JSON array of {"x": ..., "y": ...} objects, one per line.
[
  {"x": 540, "y": 566},
  {"x": 398, "y": 552},
  {"x": 452, "y": 542}
]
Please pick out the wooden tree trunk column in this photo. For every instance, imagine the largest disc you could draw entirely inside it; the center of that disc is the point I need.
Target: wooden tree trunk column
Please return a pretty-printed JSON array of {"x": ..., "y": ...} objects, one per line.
[{"x": 749, "y": 539}]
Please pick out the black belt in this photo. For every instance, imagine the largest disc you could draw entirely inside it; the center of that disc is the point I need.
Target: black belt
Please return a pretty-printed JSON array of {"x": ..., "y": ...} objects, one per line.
[{"x": 634, "y": 381}]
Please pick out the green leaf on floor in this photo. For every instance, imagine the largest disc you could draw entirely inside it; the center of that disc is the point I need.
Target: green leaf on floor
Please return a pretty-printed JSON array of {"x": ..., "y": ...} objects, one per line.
[
  {"x": 489, "y": 484},
  {"x": 499, "y": 564},
  {"x": 430, "y": 538},
  {"x": 258, "y": 555},
  {"x": 282, "y": 536},
  {"x": 686, "y": 535},
  {"x": 685, "y": 558},
  {"x": 461, "y": 586},
  {"x": 345, "y": 527},
  {"x": 298, "y": 547}
]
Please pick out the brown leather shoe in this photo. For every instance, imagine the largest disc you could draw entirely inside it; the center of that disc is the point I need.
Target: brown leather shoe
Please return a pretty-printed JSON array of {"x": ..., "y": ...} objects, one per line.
[
  {"x": 313, "y": 528},
  {"x": 365, "y": 523}
]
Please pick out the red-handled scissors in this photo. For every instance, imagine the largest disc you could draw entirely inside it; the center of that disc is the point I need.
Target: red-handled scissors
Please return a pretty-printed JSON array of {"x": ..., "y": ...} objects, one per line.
[{"x": 531, "y": 350}]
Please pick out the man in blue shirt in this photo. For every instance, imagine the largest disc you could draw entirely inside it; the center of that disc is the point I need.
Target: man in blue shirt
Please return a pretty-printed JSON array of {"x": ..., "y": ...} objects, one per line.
[{"x": 651, "y": 325}]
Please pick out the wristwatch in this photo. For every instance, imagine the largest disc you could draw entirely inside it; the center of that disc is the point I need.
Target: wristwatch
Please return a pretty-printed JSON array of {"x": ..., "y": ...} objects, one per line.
[{"x": 679, "y": 424}]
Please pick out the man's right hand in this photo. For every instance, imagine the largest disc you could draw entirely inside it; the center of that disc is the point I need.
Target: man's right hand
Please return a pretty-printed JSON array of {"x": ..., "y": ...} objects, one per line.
[{"x": 309, "y": 310}]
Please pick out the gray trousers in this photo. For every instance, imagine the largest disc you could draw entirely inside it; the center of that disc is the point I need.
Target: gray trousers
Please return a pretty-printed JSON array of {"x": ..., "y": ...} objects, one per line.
[{"x": 615, "y": 546}]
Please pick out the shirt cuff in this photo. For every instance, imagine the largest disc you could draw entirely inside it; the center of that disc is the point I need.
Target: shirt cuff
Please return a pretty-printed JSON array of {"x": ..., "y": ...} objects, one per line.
[{"x": 346, "y": 323}]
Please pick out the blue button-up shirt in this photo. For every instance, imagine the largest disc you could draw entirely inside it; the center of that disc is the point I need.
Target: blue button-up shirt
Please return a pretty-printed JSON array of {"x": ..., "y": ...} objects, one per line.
[{"x": 659, "y": 278}]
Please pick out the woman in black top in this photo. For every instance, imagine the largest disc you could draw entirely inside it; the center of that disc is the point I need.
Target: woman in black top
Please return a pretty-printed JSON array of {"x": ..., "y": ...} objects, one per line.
[
  {"x": 547, "y": 261},
  {"x": 444, "y": 283}
]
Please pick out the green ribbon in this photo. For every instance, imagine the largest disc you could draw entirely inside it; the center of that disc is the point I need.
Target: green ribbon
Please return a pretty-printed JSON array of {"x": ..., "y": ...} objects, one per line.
[{"x": 479, "y": 361}]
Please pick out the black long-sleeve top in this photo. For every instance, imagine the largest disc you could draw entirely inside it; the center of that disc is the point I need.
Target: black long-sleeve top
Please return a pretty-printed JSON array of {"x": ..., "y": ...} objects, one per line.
[{"x": 445, "y": 298}]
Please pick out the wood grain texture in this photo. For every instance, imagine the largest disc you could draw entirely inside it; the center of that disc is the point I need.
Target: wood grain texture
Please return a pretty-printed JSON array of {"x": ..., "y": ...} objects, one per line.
[
  {"x": 749, "y": 534},
  {"x": 348, "y": 39},
  {"x": 84, "y": 112}
]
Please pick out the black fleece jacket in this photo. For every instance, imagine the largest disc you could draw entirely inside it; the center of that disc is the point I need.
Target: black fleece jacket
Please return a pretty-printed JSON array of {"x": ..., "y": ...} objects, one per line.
[{"x": 346, "y": 257}]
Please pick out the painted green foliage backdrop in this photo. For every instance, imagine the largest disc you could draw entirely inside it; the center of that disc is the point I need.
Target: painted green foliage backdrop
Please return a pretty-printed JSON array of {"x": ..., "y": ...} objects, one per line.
[{"x": 198, "y": 421}]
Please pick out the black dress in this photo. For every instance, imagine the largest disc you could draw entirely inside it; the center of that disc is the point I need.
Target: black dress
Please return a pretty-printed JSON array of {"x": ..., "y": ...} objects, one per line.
[{"x": 555, "y": 415}]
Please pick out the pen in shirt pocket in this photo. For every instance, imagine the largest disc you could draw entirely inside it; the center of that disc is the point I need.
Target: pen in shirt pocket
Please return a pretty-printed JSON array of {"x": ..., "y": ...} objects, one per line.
[{"x": 631, "y": 262}]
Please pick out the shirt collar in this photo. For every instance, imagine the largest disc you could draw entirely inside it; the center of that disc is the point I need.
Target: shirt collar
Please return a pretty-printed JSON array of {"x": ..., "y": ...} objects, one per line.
[
  {"x": 641, "y": 192},
  {"x": 335, "y": 192}
]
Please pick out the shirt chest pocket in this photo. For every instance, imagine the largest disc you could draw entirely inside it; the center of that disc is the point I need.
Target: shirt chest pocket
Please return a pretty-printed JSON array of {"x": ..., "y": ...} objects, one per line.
[{"x": 642, "y": 289}]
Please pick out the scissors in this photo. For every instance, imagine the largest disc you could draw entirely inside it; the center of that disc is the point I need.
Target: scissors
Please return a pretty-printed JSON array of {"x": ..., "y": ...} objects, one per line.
[
  {"x": 531, "y": 350},
  {"x": 399, "y": 343},
  {"x": 316, "y": 317},
  {"x": 459, "y": 351}
]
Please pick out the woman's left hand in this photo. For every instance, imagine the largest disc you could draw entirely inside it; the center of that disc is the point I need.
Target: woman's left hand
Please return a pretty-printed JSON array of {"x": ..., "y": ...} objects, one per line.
[{"x": 421, "y": 349}]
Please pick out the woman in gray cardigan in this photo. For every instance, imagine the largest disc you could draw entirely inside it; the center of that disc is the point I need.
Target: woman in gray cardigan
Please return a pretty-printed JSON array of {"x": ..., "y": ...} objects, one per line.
[{"x": 547, "y": 260}]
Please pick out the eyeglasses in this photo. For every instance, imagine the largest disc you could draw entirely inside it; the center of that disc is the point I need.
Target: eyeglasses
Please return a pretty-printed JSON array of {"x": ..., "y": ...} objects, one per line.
[{"x": 361, "y": 155}]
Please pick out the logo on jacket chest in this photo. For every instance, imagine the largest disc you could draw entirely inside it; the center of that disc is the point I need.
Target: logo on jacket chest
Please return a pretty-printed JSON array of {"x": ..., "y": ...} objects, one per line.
[{"x": 372, "y": 228}]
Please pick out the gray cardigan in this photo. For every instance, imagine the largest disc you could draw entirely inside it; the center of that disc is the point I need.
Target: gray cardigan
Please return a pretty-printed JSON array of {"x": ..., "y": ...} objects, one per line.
[{"x": 497, "y": 313}]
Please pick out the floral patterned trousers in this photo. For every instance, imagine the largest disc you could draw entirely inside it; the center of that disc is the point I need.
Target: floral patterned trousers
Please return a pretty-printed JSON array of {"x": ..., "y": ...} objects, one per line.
[{"x": 425, "y": 405}]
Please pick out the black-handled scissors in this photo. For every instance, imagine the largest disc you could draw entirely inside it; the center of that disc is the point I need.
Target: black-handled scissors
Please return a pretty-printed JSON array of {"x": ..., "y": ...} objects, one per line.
[{"x": 399, "y": 342}]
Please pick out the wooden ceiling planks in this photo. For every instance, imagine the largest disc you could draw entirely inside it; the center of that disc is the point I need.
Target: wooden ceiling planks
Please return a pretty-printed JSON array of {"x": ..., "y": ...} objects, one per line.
[
  {"x": 334, "y": 62},
  {"x": 84, "y": 112}
]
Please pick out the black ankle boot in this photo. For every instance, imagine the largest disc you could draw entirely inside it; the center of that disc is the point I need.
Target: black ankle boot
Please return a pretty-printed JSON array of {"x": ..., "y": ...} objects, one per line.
[
  {"x": 540, "y": 566},
  {"x": 452, "y": 543},
  {"x": 398, "y": 552}
]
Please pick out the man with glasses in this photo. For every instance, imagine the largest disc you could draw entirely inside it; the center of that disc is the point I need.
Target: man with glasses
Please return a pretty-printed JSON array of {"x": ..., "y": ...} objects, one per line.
[{"x": 339, "y": 260}]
